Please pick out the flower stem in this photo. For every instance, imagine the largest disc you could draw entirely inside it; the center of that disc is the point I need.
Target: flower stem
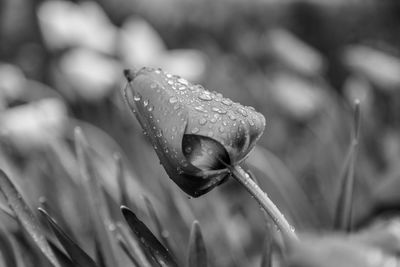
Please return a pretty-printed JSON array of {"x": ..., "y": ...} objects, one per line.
[{"x": 262, "y": 198}]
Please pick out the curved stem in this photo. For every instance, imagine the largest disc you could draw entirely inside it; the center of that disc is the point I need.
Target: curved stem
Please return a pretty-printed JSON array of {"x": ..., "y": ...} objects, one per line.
[{"x": 262, "y": 198}]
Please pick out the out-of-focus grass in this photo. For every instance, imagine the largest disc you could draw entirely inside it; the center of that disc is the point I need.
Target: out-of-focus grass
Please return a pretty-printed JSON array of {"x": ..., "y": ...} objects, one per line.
[{"x": 298, "y": 64}]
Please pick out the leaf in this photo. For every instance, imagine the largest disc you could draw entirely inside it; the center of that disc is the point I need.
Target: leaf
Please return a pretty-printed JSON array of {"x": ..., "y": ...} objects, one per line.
[
  {"x": 123, "y": 235},
  {"x": 77, "y": 254},
  {"x": 197, "y": 254},
  {"x": 162, "y": 233},
  {"x": 97, "y": 203},
  {"x": 7, "y": 249},
  {"x": 147, "y": 239},
  {"x": 26, "y": 217},
  {"x": 266, "y": 257},
  {"x": 344, "y": 207},
  {"x": 64, "y": 260},
  {"x": 121, "y": 179}
]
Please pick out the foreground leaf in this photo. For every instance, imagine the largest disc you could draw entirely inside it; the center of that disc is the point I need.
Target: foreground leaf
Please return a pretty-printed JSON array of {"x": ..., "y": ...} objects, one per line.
[
  {"x": 197, "y": 254},
  {"x": 96, "y": 199},
  {"x": 26, "y": 217},
  {"x": 344, "y": 207},
  {"x": 78, "y": 255},
  {"x": 147, "y": 239}
]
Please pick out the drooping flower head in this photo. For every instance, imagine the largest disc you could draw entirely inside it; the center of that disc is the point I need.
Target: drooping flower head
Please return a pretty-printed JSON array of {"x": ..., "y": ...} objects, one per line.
[{"x": 196, "y": 134}]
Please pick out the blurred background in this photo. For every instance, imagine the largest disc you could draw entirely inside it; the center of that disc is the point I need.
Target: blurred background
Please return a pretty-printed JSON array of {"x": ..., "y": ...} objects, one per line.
[{"x": 300, "y": 63}]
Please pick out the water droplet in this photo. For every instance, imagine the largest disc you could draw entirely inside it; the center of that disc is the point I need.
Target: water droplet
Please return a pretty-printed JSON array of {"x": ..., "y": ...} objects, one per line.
[
  {"x": 159, "y": 134},
  {"x": 153, "y": 85},
  {"x": 201, "y": 109},
  {"x": 170, "y": 82},
  {"x": 176, "y": 107},
  {"x": 226, "y": 102},
  {"x": 210, "y": 134},
  {"x": 145, "y": 103},
  {"x": 214, "y": 119},
  {"x": 251, "y": 122},
  {"x": 205, "y": 97},
  {"x": 225, "y": 123},
  {"x": 210, "y": 151},
  {"x": 221, "y": 129},
  {"x": 231, "y": 116},
  {"x": 188, "y": 149},
  {"x": 169, "y": 75},
  {"x": 137, "y": 97},
  {"x": 215, "y": 109},
  {"x": 173, "y": 100},
  {"x": 174, "y": 129},
  {"x": 195, "y": 130},
  {"x": 183, "y": 81},
  {"x": 202, "y": 121},
  {"x": 242, "y": 111},
  {"x": 150, "y": 108}
]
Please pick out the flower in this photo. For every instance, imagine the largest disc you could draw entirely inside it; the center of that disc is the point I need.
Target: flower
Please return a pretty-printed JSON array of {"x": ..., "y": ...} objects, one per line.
[{"x": 196, "y": 134}]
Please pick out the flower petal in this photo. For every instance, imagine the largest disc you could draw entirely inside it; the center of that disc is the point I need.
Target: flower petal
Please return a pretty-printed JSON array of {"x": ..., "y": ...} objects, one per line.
[
  {"x": 164, "y": 120},
  {"x": 176, "y": 115}
]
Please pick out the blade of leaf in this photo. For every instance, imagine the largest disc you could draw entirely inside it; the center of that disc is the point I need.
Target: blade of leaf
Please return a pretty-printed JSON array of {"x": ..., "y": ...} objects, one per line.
[
  {"x": 7, "y": 249},
  {"x": 344, "y": 206},
  {"x": 98, "y": 206},
  {"x": 121, "y": 179},
  {"x": 147, "y": 239},
  {"x": 128, "y": 252},
  {"x": 26, "y": 217},
  {"x": 77, "y": 254},
  {"x": 63, "y": 259},
  {"x": 132, "y": 244},
  {"x": 162, "y": 233},
  {"x": 197, "y": 254},
  {"x": 266, "y": 257}
]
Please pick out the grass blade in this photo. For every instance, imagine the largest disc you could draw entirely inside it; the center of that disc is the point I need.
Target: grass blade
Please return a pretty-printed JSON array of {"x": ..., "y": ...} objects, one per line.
[
  {"x": 77, "y": 254},
  {"x": 97, "y": 203},
  {"x": 344, "y": 206},
  {"x": 197, "y": 254},
  {"x": 132, "y": 244},
  {"x": 128, "y": 252},
  {"x": 162, "y": 233},
  {"x": 7, "y": 249},
  {"x": 26, "y": 217},
  {"x": 148, "y": 240},
  {"x": 121, "y": 179}
]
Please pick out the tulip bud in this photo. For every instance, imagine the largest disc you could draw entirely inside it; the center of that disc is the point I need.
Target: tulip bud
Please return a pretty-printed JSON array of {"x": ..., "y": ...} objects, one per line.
[{"x": 196, "y": 134}]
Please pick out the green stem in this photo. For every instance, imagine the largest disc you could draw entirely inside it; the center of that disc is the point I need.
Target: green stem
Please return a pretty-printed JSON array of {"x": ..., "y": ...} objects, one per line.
[{"x": 262, "y": 198}]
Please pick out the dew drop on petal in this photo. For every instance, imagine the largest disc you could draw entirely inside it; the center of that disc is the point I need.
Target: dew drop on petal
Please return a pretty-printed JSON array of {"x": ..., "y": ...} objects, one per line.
[
  {"x": 150, "y": 108},
  {"x": 226, "y": 102},
  {"x": 210, "y": 134},
  {"x": 153, "y": 85},
  {"x": 201, "y": 109},
  {"x": 137, "y": 98},
  {"x": 145, "y": 103},
  {"x": 173, "y": 100},
  {"x": 205, "y": 97},
  {"x": 242, "y": 111},
  {"x": 202, "y": 121},
  {"x": 221, "y": 129},
  {"x": 195, "y": 130},
  {"x": 183, "y": 81},
  {"x": 188, "y": 149}
]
